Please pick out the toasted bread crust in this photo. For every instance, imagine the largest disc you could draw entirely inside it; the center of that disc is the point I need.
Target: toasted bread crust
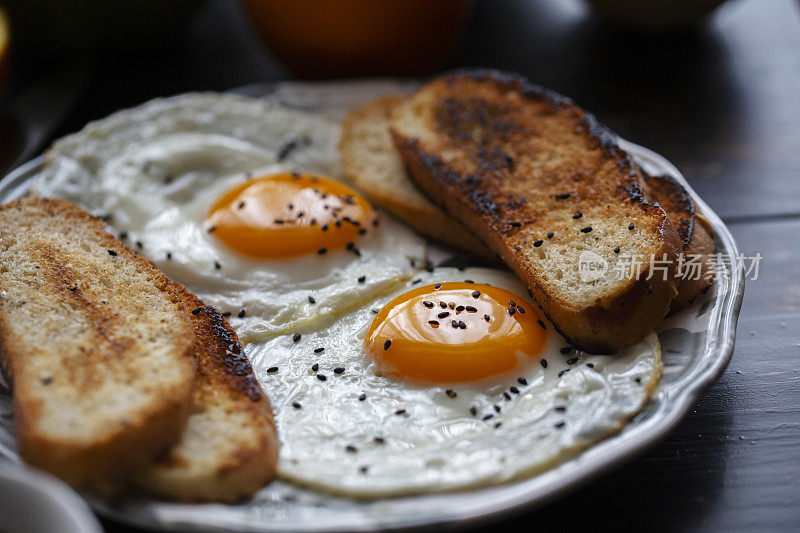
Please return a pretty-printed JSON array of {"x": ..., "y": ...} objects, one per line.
[
  {"x": 371, "y": 163},
  {"x": 694, "y": 231},
  {"x": 61, "y": 292},
  {"x": 214, "y": 461},
  {"x": 469, "y": 140}
]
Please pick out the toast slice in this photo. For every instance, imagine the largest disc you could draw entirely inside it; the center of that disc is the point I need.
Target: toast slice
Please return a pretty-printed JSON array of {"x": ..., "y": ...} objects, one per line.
[
  {"x": 229, "y": 447},
  {"x": 372, "y": 163},
  {"x": 546, "y": 187},
  {"x": 95, "y": 341}
]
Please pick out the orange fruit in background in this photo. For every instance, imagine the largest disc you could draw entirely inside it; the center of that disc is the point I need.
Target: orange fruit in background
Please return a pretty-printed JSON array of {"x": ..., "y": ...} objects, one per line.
[
  {"x": 5, "y": 37},
  {"x": 338, "y": 38}
]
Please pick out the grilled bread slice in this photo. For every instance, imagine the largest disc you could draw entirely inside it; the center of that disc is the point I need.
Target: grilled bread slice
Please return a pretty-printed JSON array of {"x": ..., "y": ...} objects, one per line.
[
  {"x": 545, "y": 186},
  {"x": 229, "y": 447},
  {"x": 95, "y": 342},
  {"x": 372, "y": 163}
]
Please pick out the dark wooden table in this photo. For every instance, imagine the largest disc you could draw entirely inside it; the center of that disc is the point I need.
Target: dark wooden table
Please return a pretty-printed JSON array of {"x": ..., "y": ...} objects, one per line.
[{"x": 722, "y": 103}]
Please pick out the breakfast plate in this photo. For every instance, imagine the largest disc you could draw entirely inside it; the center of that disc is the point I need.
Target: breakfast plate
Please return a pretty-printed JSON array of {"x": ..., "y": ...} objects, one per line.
[{"x": 697, "y": 343}]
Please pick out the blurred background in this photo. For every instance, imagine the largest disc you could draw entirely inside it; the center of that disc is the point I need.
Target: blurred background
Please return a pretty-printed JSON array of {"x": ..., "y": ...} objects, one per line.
[{"x": 713, "y": 86}]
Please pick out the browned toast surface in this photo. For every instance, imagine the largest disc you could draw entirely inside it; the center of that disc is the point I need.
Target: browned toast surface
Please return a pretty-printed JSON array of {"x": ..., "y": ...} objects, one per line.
[
  {"x": 95, "y": 341},
  {"x": 541, "y": 182},
  {"x": 229, "y": 447}
]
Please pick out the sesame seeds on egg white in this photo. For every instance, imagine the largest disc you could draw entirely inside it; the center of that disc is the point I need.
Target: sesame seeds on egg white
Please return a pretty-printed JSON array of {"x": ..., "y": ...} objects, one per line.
[{"x": 362, "y": 434}]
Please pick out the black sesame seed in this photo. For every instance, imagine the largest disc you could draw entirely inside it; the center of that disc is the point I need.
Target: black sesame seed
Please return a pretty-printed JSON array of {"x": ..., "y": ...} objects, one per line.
[
  {"x": 550, "y": 234},
  {"x": 538, "y": 243},
  {"x": 112, "y": 253},
  {"x": 461, "y": 324},
  {"x": 487, "y": 318},
  {"x": 433, "y": 322},
  {"x": 363, "y": 469},
  {"x": 572, "y": 361},
  {"x": 196, "y": 310},
  {"x": 212, "y": 229},
  {"x": 631, "y": 226},
  {"x": 272, "y": 369},
  {"x": 512, "y": 303},
  {"x": 565, "y": 350},
  {"x": 400, "y": 412},
  {"x": 518, "y": 248},
  {"x": 139, "y": 244},
  {"x": 428, "y": 304},
  {"x": 521, "y": 310},
  {"x": 638, "y": 380},
  {"x": 577, "y": 215},
  {"x": 322, "y": 251},
  {"x": 561, "y": 373},
  {"x": 511, "y": 311},
  {"x": 350, "y": 448},
  {"x": 506, "y": 395},
  {"x": 437, "y": 286},
  {"x": 454, "y": 323},
  {"x": 543, "y": 363},
  {"x": 443, "y": 314},
  {"x": 470, "y": 309},
  {"x": 587, "y": 229},
  {"x": 616, "y": 249},
  {"x": 324, "y": 227},
  {"x": 338, "y": 370},
  {"x": 240, "y": 205},
  {"x": 362, "y": 231},
  {"x": 562, "y": 196},
  {"x": 516, "y": 224},
  {"x": 560, "y": 408},
  {"x": 379, "y": 440},
  {"x": 497, "y": 425},
  {"x": 451, "y": 393},
  {"x": 459, "y": 308},
  {"x": 169, "y": 255},
  {"x": 387, "y": 344},
  {"x": 296, "y": 337},
  {"x": 278, "y": 221},
  {"x": 443, "y": 305},
  {"x": 362, "y": 279},
  {"x": 322, "y": 377},
  {"x": 311, "y": 300},
  {"x": 227, "y": 314},
  {"x": 469, "y": 281},
  {"x": 473, "y": 410},
  {"x": 362, "y": 397},
  {"x": 590, "y": 365},
  {"x": 296, "y": 405},
  {"x": 559, "y": 425},
  {"x": 522, "y": 381},
  {"x": 513, "y": 389},
  {"x": 315, "y": 367},
  {"x": 451, "y": 305},
  {"x": 487, "y": 417},
  {"x": 476, "y": 294},
  {"x": 541, "y": 324},
  {"x": 338, "y": 223},
  {"x": 123, "y": 236},
  {"x": 241, "y": 314}
]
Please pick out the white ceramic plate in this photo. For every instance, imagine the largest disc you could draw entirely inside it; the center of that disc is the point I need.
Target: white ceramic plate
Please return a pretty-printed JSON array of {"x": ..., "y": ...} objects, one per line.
[{"x": 696, "y": 345}]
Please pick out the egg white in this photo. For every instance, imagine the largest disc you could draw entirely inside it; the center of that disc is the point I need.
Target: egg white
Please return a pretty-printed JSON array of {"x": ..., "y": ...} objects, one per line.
[
  {"x": 328, "y": 442},
  {"x": 157, "y": 169}
]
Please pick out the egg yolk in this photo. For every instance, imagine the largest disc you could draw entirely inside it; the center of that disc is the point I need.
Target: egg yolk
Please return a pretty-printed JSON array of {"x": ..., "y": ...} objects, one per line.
[
  {"x": 290, "y": 214},
  {"x": 454, "y": 332}
]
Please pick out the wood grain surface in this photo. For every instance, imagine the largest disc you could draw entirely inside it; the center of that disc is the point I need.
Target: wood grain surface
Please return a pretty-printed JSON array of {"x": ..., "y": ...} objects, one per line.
[{"x": 722, "y": 102}]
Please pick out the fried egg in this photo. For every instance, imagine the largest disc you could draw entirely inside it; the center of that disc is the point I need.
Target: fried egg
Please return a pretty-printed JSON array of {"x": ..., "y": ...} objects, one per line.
[
  {"x": 452, "y": 381},
  {"x": 237, "y": 199}
]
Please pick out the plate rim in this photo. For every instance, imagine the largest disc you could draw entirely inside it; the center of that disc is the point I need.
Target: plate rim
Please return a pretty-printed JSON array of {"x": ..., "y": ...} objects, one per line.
[{"x": 625, "y": 447}]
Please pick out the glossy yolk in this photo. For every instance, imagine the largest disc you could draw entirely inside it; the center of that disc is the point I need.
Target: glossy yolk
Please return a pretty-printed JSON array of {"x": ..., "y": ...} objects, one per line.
[
  {"x": 454, "y": 332},
  {"x": 289, "y": 214}
]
